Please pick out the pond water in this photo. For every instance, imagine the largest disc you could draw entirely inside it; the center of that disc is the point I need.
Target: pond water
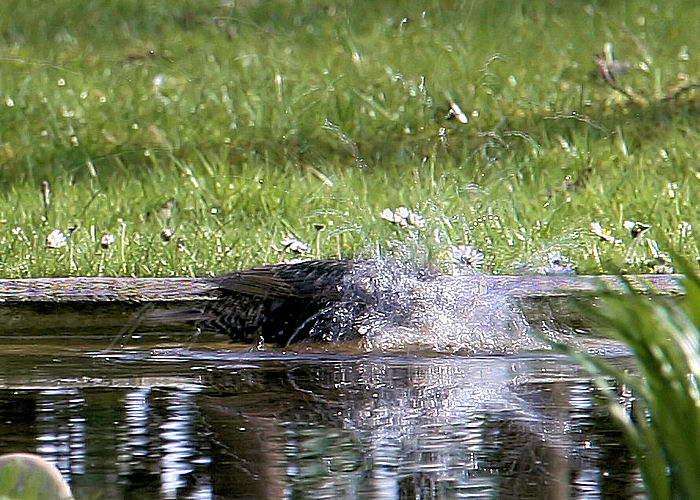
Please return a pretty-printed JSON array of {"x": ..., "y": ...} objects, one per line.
[{"x": 167, "y": 415}]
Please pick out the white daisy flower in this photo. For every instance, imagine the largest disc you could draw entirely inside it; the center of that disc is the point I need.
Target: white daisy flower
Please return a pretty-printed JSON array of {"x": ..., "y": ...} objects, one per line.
[
  {"x": 107, "y": 240},
  {"x": 295, "y": 245},
  {"x": 416, "y": 220},
  {"x": 603, "y": 234},
  {"x": 404, "y": 217},
  {"x": 391, "y": 216},
  {"x": 455, "y": 111},
  {"x": 56, "y": 239},
  {"x": 636, "y": 229},
  {"x": 465, "y": 258}
]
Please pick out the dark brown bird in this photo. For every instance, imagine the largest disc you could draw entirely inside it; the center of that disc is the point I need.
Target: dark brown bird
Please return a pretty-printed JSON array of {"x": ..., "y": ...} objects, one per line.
[{"x": 279, "y": 304}]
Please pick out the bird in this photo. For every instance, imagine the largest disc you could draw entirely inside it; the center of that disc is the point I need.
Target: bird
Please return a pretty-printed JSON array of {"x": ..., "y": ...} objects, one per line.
[
  {"x": 374, "y": 305},
  {"x": 278, "y": 304}
]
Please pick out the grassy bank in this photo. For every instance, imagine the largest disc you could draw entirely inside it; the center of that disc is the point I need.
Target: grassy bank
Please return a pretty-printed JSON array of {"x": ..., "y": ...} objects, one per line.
[{"x": 235, "y": 124}]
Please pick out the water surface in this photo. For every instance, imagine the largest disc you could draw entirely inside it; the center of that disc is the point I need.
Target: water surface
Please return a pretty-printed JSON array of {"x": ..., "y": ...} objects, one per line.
[{"x": 170, "y": 415}]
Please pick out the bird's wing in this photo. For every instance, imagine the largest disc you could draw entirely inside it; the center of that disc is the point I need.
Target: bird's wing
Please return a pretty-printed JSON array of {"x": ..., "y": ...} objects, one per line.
[{"x": 305, "y": 279}]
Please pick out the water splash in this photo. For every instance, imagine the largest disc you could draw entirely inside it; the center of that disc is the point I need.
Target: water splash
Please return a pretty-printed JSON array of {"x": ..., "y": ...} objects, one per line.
[{"x": 391, "y": 306}]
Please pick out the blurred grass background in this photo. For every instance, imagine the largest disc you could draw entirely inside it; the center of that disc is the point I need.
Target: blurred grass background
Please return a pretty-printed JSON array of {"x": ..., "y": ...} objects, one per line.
[{"x": 233, "y": 124}]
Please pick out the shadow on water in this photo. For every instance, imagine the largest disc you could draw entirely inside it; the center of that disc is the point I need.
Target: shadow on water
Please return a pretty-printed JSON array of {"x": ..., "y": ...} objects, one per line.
[{"x": 176, "y": 417}]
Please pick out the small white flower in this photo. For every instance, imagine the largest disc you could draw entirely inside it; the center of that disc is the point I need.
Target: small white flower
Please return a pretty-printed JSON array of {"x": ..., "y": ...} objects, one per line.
[
  {"x": 56, "y": 239},
  {"x": 636, "y": 229},
  {"x": 404, "y": 217},
  {"x": 295, "y": 245},
  {"x": 465, "y": 257},
  {"x": 455, "y": 111},
  {"x": 603, "y": 234},
  {"x": 402, "y": 212},
  {"x": 167, "y": 234},
  {"x": 416, "y": 220},
  {"x": 107, "y": 240},
  {"x": 390, "y": 215}
]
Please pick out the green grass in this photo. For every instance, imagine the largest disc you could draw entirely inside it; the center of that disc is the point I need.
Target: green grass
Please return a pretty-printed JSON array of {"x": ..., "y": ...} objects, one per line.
[
  {"x": 663, "y": 429},
  {"x": 267, "y": 118}
]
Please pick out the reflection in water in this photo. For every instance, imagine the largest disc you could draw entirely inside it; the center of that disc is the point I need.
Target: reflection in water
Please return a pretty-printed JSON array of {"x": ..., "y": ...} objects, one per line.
[
  {"x": 185, "y": 423},
  {"x": 61, "y": 431},
  {"x": 431, "y": 429}
]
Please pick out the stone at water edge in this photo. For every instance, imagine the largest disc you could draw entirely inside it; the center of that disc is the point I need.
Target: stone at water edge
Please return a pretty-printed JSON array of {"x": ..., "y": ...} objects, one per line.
[{"x": 28, "y": 474}]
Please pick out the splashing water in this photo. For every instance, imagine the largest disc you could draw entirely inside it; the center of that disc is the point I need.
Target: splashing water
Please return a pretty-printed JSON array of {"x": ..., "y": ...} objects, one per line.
[{"x": 395, "y": 307}]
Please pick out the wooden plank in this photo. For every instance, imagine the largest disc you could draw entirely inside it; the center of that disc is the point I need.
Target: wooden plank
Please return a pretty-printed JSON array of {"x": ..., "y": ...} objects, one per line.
[
  {"x": 558, "y": 286},
  {"x": 156, "y": 290},
  {"x": 130, "y": 290}
]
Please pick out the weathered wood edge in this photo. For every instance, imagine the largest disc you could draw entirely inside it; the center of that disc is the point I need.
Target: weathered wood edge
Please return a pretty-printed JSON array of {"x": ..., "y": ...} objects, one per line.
[
  {"x": 155, "y": 290},
  {"x": 96, "y": 290},
  {"x": 557, "y": 286}
]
